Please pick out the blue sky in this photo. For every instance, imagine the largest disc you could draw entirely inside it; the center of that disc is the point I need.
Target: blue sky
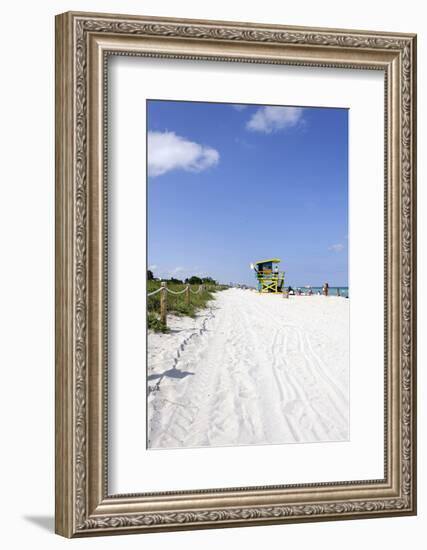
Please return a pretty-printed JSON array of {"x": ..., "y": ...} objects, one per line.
[{"x": 232, "y": 184}]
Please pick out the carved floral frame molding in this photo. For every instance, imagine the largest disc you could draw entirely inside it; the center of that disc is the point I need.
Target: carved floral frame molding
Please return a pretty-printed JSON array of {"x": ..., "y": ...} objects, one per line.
[{"x": 83, "y": 43}]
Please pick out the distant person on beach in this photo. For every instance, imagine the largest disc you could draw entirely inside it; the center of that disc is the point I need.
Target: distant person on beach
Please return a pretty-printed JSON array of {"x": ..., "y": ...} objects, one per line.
[{"x": 325, "y": 289}]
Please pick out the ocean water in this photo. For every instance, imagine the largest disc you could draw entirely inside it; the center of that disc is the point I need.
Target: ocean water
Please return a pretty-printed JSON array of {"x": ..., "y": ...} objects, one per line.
[{"x": 333, "y": 290}]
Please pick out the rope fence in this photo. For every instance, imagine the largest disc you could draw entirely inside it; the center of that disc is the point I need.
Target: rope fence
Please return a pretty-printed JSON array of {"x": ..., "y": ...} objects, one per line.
[
  {"x": 176, "y": 292},
  {"x": 164, "y": 290},
  {"x": 154, "y": 292},
  {"x": 196, "y": 291}
]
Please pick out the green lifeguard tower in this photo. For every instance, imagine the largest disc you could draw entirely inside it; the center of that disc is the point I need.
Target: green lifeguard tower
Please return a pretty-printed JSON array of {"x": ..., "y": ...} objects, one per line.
[{"x": 268, "y": 275}]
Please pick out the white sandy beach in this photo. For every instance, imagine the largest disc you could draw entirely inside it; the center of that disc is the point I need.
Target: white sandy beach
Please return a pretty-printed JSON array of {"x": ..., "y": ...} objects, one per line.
[{"x": 251, "y": 369}]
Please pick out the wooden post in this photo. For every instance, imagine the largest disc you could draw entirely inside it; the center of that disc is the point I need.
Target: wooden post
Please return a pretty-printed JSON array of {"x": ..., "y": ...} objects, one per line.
[
  {"x": 163, "y": 303},
  {"x": 285, "y": 294},
  {"x": 338, "y": 292},
  {"x": 187, "y": 295}
]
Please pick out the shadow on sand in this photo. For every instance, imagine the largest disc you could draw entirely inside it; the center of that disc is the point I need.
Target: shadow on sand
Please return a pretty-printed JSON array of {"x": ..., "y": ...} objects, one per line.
[{"x": 170, "y": 373}]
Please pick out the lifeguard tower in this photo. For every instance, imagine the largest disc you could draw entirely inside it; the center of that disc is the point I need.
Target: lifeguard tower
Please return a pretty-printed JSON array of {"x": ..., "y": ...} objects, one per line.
[{"x": 269, "y": 277}]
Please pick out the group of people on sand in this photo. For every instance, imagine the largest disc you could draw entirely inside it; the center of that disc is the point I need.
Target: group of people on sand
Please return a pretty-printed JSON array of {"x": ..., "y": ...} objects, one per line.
[{"x": 292, "y": 292}]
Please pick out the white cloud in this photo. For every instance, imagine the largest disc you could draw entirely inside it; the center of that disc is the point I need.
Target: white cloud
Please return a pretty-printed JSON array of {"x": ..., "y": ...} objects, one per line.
[
  {"x": 152, "y": 267},
  {"x": 178, "y": 269},
  {"x": 167, "y": 151},
  {"x": 273, "y": 119},
  {"x": 244, "y": 143},
  {"x": 239, "y": 107},
  {"x": 336, "y": 247}
]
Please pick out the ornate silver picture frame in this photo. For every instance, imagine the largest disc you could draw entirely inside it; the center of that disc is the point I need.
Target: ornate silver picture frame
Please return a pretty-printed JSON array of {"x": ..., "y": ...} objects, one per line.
[{"x": 84, "y": 43}]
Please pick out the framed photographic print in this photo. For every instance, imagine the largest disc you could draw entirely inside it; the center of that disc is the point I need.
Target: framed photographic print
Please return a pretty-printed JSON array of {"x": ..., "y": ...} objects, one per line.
[{"x": 235, "y": 274}]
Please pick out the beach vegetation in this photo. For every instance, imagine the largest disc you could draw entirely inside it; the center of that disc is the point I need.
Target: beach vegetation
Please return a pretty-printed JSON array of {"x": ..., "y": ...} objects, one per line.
[{"x": 177, "y": 304}]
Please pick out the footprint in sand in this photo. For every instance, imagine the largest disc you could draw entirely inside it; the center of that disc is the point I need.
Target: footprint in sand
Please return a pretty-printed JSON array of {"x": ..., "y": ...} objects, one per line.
[
  {"x": 246, "y": 393},
  {"x": 294, "y": 408}
]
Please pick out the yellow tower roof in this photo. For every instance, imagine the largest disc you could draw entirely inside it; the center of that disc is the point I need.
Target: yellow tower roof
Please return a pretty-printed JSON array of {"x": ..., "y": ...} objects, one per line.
[{"x": 272, "y": 260}]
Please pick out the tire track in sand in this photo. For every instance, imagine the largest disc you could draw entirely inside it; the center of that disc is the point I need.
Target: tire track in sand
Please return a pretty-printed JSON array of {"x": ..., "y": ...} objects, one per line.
[{"x": 257, "y": 380}]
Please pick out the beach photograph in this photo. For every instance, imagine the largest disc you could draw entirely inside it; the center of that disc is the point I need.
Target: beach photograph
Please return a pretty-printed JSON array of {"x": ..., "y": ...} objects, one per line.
[{"x": 248, "y": 298}]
